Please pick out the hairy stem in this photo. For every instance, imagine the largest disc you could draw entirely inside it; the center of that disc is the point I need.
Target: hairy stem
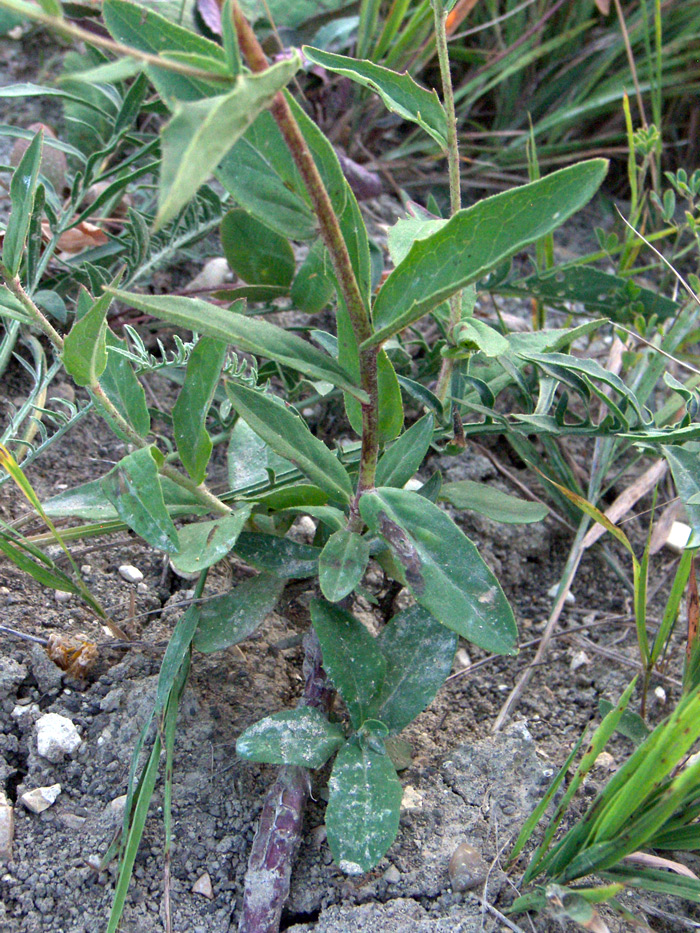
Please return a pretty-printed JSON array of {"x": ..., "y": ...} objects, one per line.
[
  {"x": 335, "y": 244},
  {"x": 445, "y": 376},
  {"x": 279, "y": 831}
]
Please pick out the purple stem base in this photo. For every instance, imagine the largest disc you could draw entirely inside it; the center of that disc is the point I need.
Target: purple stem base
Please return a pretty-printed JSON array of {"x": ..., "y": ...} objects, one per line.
[{"x": 279, "y": 832}]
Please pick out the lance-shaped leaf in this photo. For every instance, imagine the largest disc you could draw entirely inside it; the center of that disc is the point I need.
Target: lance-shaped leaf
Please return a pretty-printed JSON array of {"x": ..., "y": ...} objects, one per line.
[
  {"x": 85, "y": 347},
  {"x": 201, "y": 132},
  {"x": 122, "y": 387},
  {"x": 294, "y": 737},
  {"x": 22, "y": 191},
  {"x": 281, "y": 556},
  {"x": 685, "y": 466},
  {"x": 493, "y": 503},
  {"x": 90, "y": 501},
  {"x": 229, "y": 619},
  {"x": 192, "y": 406},
  {"x": 133, "y": 488},
  {"x": 399, "y": 463},
  {"x": 205, "y": 543},
  {"x": 475, "y": 240},
  {"x": 362, "y": 817},
  {"x": 245, "y": 333},
  {"x": 399, "y": 92},
  {"x": 443, "y": 568},
  {"x": 419, "y": 652},
  {"x": 342, "y": 563},
  {"x": 257, "y": 254},
  {"x": 289, "y": 436},
  {"x": 350, "y": 656}
]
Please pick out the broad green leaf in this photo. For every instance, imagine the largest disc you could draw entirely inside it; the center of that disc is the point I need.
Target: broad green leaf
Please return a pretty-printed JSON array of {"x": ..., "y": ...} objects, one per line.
[
  {"x": 289, "y": 436},
  {"x": 299, "y": 496},
  {"x": 229, "y": 619},
  {"x": 313, "y": 286},
  {"x": 419, "y": 652},
  {"x": 201, "y": 132},
  {"x": 294, "y": 15},
  {"x": 192, "y": 406},
  {"x": 443, "y": 568},
  {"x": 133, "y": 487},
  {"x": 399, "y": 463},
  {"x": 399, "y": 92},
  {"x": 257, "y": 254},
  {"x": 245, "y": 333},
  {"x": 491, "y": 502},
  {"x": 122, "y": 387},
  {"x": 342, "y": 564},
  {"x": 294, "y": 737},
  {"x": 631, "y": 724},
  {"x": 406, "y": 231},
  {"x": 148, "y": 31},
  {"x": 22, "y": 190},
  {"x": 350, "y": 657},
  {"x": 474, "y": 334},
  {"x": 246, "y": 457},
  {"x": 362, "y": 817},
  {"x": 205, "y": 543},
  {"x": 685, "y": 467},
  {"x": 85, "y": 347},
  {"x": 89, "y": 501},
  {"x": 475, "y": 240},
  {"x": 281, "y": 556}
]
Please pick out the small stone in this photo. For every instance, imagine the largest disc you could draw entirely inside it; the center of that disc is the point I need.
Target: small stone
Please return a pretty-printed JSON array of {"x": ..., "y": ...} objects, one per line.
[
  {"x": 569, "y": 598},
  {"x": 142, "y": 588},
  {"x": 7, "y": 828},
  {"x": 412, "y": 799},
  {"x": 467, "y": 869},
  {"x": 678, "y": 536},
  {"x": 605, "y": 762},
  {"x": 214, "y": 273},
  {"x": 117, "y": 805},
  {"x": 203, "y": 886},
  {"x": 579, "y": 659},
  {"x": 660, "y": 695},
  {"x": 462, "y": 659},
  {"x": 319, "y": 835},
  {"x": 86, "y": 568},
  {"x": 306, "y": 526},
  {"x": 72, "y": 821},
  {"x": 23, "y": 713},
  {"x": 56, "y": 737},
  {"x": 130, "y": 573},
  {"x": 49, "y": 676},
  {"x": 41, "y": 798},
  {"x": 413, "y": 484},
  {"x": 112, "y": 700},
  {"x": 11, "y": 676},
  {"x": 62, "y": 597},
  {"x": 392, "y": 875}
]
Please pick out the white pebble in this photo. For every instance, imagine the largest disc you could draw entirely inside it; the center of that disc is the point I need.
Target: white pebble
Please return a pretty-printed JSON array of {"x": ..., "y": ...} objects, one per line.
[
  {"x": 678, "y": 536},
  {"x": 412, "y": 799},
  {"x": 41, "y": 798},
  {"x": 203, "y": 886},
  {"x": 56, "y": 737},
  {"x": 660, "y": 694},
  {"x": 462, "y": 659},
  {"x": 7, "y": 827},
  {"x": 569, "y": 598},
  {"x": 579, "y": 659},
  {"x": 62, "y": 597},
  {"x": 130, "y": 573},
  {"x": 142, "y": 588},
  {"x": 392, "y": 875}
]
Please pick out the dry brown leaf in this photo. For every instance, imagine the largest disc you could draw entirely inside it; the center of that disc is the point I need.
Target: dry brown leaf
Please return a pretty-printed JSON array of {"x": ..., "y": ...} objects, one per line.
[
  {"x": 603, "y": 6},
  {"x": 656, "y": 861},
  {"x": 84, "y": 236},
  {"x": 624, "y": 502},
  {"x": 663, "y": 525}
]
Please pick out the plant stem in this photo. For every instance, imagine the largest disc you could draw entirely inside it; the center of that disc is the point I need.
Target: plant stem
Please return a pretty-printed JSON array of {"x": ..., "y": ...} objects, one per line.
[
  {"x": 279, "y": 831},
  {"x": 445, "y": 376},
  {"x": 15, "y": 286},
  {"x": 335, "y": 244}
]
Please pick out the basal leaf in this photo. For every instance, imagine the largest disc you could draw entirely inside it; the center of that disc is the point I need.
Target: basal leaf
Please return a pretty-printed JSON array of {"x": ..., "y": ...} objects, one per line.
[
  {"x": 133, "y": 487},
  {"x": 281, "y": 556},
  {"x": 245, "y": 333},
  {"x": 89, "y": 501},
  {"x": 362, "y": 817},
  {"x": 192, "y": 406},
  {"x": 443, "y": 568},
  {"x": 289, "y": 436},
  {"x": 205, "y": 543},
  {"x": 294, "y": 737},
  {"x": 351, "y": 658},
  {"x": 342, "y": 564},
  {"x": 399, "y": 92},
  {"x": 229, "y": 619},
  {"x": 257, "y": 254},
  {"x": 493, "y": 503},
  {"x": 201, "y": 132},
  {"x": 419, "y": 652},
  {"x": 475, "y": 240}
]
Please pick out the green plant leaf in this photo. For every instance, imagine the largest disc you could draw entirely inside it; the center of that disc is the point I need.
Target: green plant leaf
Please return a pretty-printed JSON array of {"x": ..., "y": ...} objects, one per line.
[
  {"x": 245, "y": 333},
  {"x": 362, "y": 817},
  {"x": 294, "y": 737},
  {"x": 192, "y": 406},
  {"x": 133, "y": 487},
  {"x": 631, "y": 724},
  {"x": 410, "y": 684},
  {"x": 229, "y": 619},
  {"x": 460, "y": 253},
  {"x": 85, "y": 347},
  {"x": 11, "y": 307},
  {"x": 43, "y": 571},
  {"x": 257, "y": 254},
  {"x": 350, "y": 657},
  {"x": 205, "y": 543},
  {"x": 22, "y": 191},
  {"x": 281, "y": 556},
  {"x": 399, "y": 463},
  {"x": 201, "y": 132},
  {"x": 313, "y": 285},
  {"x": 88, "y": 501},
  {"x": 399, "y": 92},
  {"x": 342, "y": 564},
  {"x": 289, "y": 436},
  {"x": 474, "y": 334},
  {"x": 122, "y": 387},
  {"x": 491, "y": 502},
  {"x": 685, "y": 467},
  {"x": 443, "y": 568}
]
